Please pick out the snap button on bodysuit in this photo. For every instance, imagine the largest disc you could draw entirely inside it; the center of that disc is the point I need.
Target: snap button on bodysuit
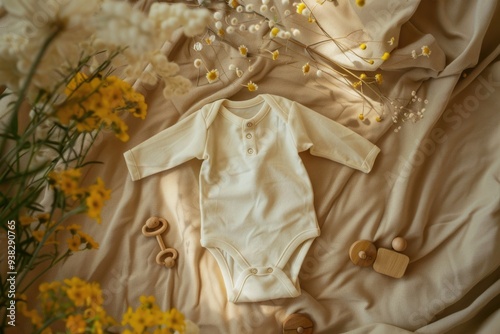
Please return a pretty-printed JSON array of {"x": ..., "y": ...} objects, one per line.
[
  {"x": 250, "y": 151},
  {"x": 249, "y": 124},
  {"x": 253, "y": 271},
  {"x": 249, "y": 136},
  {"x": 269, "y": 270}
]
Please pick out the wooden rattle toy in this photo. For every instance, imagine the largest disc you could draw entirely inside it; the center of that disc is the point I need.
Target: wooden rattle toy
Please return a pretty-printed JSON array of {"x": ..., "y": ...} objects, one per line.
[
  {"x": 154, "y": 227},
  {"x": 298, "y": 323},
  {"x": 385, "y": 261}
]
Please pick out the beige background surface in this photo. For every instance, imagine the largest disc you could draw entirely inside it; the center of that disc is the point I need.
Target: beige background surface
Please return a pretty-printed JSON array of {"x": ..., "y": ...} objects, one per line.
[{"x": 435, "y": 183}]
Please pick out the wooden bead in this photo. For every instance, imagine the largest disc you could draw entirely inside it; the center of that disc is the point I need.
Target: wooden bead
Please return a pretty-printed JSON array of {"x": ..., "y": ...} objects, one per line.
[
  {"x": 153, "y": 222},
  {"x": 399, "y": 244},
  {"x": 297, "y": 323},
  {"x": 363, "y": 253}
]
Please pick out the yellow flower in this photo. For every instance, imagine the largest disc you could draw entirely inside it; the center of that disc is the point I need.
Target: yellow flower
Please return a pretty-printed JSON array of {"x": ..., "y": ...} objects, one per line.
[
  {"x": 252, "y": 87},
  {"x": 78, "y": 294},
  {"x": 27, "y": 220},
  {"x": 175, "y": 320},
  {"x": 233, "y": 3},
  {"x": 100, "y": 189},
  {"x": 74, "y": 243},
  {"x": 74, "y": 282},
  {"x": 113, "y": 96},
  {"x": 210, "y": 40},
  {"x": 300, "y": 7},
  {"x": 378, "y": 119},
  {"x": 140, "y": 320},
  {"x": 370, "y": 61},
  {"x": 38, "y": 235},
  {"x": 362, "y": 76},
  {"x": 306, "y": 68},
  {"x": 147, "y": 301},
  {"x": 385, "y": 56},
  {"x": 357, "y": 84},
  {"x": 361, "y": 117},
  {"x": 33, "y": 315},
  {"x": 140, "y": 110},
  {"x": 75, "y": 82},
  {"x": 75, "y": 324},
  {"x": 91, "y": 244},
  {"x": 44, "y": 217},
  {"x": 137, "y": 103},
  {"x": 426, "y": 51},
  {"x": 127, "y": 316},
  {"x": 98, "y": 105},
  {"x": 49, "y": 286},
  {"x": 67, "y": 181},
  {"x": 73, "y": 228},
  {"x": 379, "y": 78},
  {"x": 94, "y": 295},
  {"x": 274, "y": 31},
  {"x": 275, "y": 54},
  {"x": 360, "y": 3},
  {"x": 94, "y": 203},
  {"x": 362, "y": 46},
  {"x": 97, "y": 194},
  {"x": 212, "y": 75}
]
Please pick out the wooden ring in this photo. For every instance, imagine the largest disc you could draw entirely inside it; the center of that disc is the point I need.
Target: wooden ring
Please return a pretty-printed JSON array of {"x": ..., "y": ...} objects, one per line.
[
  {"x": 150, "y": 228},
  {"x": 167, "y": 257}
]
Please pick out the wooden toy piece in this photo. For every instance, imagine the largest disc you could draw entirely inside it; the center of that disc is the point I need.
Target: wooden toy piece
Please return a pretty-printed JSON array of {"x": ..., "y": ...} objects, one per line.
[
  {"x": 363, "y": 253},
  {"x": 298, "y": 323},
  {"x": 399, "y": 244},
  {"x": 390, "y": 263},
  {"x": 154, "y": 227}
]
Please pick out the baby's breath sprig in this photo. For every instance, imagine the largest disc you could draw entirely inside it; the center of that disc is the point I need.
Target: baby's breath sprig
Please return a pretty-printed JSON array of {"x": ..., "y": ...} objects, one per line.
[{"x": 413, "y": 111}]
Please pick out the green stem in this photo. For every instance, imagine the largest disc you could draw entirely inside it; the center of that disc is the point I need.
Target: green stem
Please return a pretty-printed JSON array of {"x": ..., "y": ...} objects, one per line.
[{"x": 54, "y": 262}]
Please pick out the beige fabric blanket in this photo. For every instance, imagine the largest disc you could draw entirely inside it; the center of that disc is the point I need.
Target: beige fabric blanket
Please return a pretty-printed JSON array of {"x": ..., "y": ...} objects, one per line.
[{"x": 435, "y": 182}]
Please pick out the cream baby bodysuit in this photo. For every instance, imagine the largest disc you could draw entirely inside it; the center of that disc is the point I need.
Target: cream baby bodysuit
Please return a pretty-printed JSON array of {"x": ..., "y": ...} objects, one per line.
[{"x": 257, "y": 213}]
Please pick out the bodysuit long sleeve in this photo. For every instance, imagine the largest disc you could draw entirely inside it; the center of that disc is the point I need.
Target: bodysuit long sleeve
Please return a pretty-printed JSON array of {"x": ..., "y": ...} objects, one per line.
[{"x": 255, "y": 192}]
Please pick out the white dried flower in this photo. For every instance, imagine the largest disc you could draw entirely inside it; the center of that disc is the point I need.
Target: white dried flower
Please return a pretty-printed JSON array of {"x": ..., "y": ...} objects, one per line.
[
  {"x": 198, "y": 46},
  {"x": 249, "y": 7},
  {"x": 218, "y": 16},
  {"x": 177, "y": 85},
  {"x": 197, "y": 63}
]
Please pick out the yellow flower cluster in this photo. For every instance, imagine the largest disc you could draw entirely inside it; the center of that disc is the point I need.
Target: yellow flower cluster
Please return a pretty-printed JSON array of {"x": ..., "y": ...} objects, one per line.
[
  {"x": 41, "y": 223},
  {"x": 363, "y": 78},
  {"x": 93, "y": 103},
  {"x": 93, "y": 196},
  {"x": 79, "y": 238},
  {"x": 148, "y": 316},
  {"x": 75, "y": 303}
]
